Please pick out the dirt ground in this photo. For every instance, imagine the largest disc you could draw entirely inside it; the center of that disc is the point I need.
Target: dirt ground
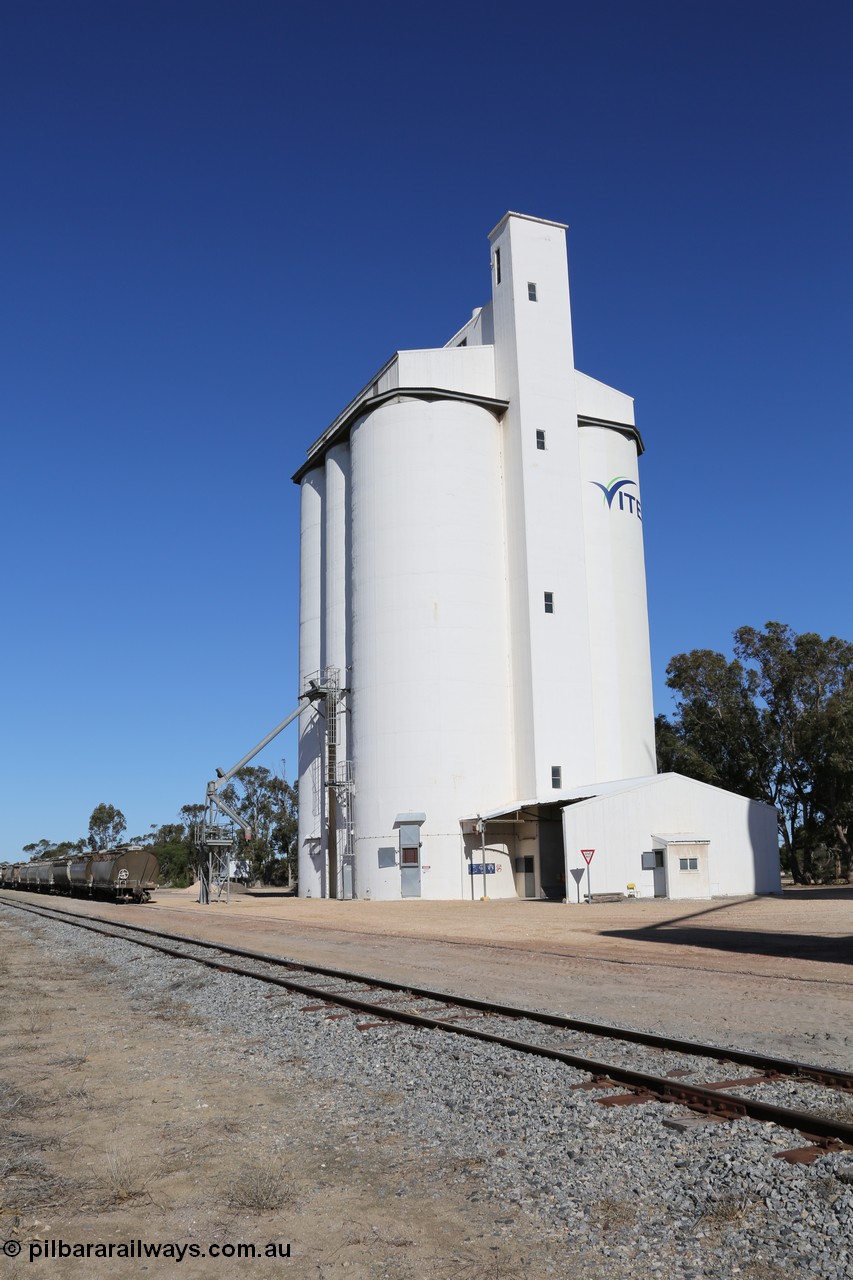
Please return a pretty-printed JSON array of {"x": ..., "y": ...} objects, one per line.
[{"x": 113, "y": 1135}]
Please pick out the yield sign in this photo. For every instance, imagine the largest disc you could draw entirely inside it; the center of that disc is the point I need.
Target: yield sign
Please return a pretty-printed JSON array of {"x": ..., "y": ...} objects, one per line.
[{"x": 587, "y": 854}]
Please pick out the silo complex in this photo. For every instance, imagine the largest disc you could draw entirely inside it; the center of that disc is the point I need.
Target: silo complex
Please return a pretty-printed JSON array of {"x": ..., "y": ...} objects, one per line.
[{"x": 473, "y": 612}]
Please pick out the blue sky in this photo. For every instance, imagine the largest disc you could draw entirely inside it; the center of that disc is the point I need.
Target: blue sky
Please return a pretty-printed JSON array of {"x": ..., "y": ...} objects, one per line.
[{"x": 220, "y": 218}]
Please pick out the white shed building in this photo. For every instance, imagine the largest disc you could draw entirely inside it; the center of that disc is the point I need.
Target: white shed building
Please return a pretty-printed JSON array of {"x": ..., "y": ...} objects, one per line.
[{"x": 474, "y": 629}]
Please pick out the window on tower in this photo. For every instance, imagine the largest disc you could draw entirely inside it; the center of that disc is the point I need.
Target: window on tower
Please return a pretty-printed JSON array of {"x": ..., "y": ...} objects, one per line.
[
  {"x": 549, "y": 601},
  {"x": 531, "y": 291},
  {"x": 556, "y": 776},
  {"x": 498, "y": 265},
  {"x": 540, "y": 439}
]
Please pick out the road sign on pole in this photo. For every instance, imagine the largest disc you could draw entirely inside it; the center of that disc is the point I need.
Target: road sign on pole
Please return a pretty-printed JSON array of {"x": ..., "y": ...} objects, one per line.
[
  {"x": 587, "y": 855},
  {"x": 577, "y": 876}
]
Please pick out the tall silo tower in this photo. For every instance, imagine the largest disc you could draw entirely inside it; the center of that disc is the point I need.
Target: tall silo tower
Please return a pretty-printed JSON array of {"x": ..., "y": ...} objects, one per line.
[
  {"x": 580, "y": 637},
  {"x": 472, "y": 597}
]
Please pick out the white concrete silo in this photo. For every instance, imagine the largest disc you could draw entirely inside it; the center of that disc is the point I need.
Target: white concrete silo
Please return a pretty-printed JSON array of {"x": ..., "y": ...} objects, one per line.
[
  {"x": 617, "y": 606},
  {"x": 480, "y": 598},
  {"x": 312, "y": 815},
  {"x": 430, "y": 671}
]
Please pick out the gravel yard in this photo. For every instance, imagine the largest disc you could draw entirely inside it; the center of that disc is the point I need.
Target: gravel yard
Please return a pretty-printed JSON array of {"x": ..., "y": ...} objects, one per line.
[{"x": 397, "y": 1153}]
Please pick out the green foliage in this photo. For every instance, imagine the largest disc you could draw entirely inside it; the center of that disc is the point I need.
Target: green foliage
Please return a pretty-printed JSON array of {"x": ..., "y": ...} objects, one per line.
[
  {"x": 268, "y": 803},
  {"x": 47, "y": 851},
  {"x": 774, "y": 724},
  {"x": 106, "y": 825},
  {"x": 191, "y": 814},
  {"x": 176, "y": 861}
]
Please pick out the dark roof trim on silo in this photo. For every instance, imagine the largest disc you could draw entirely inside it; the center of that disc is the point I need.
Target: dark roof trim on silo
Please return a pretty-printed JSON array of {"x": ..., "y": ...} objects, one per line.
[
  {"x": 626, "y": 429},
  {"x": 366, "y": 405}
]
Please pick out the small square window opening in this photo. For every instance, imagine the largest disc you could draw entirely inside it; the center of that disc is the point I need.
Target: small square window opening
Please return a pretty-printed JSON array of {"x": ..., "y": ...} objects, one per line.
[
  {"x": 531, "y": 291},
  {"x": 540, "y": 439},
  {"x": 688, "y": 864},
  {"x": 549, "y": 601},
  {"x": 556, "y": 776}
]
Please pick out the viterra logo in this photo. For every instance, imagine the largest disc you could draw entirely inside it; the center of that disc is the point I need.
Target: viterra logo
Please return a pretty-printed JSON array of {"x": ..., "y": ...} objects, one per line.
[{"x": 616, "y": 489}]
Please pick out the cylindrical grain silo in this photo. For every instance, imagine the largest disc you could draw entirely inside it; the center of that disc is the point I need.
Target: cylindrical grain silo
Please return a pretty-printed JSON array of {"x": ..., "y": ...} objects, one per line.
[
  {"x": 430, "y": 725},
  {"x": 616, "y": 594},
  {"x": 312, "y": 826},
  {"x": 337, "y": 577}
]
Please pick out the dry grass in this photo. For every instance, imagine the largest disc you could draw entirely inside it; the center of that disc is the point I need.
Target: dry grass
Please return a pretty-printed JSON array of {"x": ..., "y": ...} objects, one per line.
[
  {"x": 840, "y": 1107},
  {"x": 764, "y": 1270},
  {"x": 726, "y": 1211},
  {"x": 69, "y": 1061},
  {"x": 609, "y": 1213},
  {"x": 391, "y": 1098},
  {"x": 15, "y": 1140},
  {"x": 14, "y": 1101},
  {"x": 78, "y": 1096},
  {"x": 179, "y": 1014},
  {"x": 194, "y": 981},
  {"x": 373, "y": 1236},
  {"x": 828, "y": 1188},
  {"x": 502, "y": 1263},
  {"x": 467, "y": 1164},
  {"x": 28, "y": 1184},
  {"x": 125, "y": 1175},
  {"x": 261, "y": 1186},
  {"x": 36, "y": 1022}
]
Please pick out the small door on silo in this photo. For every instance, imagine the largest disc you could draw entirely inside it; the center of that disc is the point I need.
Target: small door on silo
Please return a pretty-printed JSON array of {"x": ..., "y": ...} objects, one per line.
[
  {"x": 410, "y": 861},
  {"x": 410, "y": 872},
  {"x": 525, "y": 877}
]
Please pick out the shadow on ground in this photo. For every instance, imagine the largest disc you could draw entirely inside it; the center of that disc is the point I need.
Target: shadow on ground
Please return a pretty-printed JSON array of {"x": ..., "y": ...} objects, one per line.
[
  {"x": 838, "y": 893},
  {"x": 685, "y": 931}
]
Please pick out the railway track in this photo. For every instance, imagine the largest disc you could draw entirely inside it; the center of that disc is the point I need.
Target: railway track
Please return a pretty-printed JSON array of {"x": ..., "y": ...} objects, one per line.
[{"x": 686, "y": 1072}]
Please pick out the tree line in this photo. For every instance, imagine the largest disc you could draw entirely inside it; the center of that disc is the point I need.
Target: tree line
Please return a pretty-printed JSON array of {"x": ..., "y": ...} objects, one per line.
[
  {"x": 267, "y": 802},
  {"x": 774, "y": 723}
]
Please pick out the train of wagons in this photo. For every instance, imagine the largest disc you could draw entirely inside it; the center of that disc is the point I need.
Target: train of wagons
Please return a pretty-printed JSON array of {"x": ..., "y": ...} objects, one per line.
[{"x": 128, "y": 873}]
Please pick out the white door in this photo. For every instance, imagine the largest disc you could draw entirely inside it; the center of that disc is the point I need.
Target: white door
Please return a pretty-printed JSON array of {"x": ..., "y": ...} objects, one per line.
[{"x": 660, "y": 873}]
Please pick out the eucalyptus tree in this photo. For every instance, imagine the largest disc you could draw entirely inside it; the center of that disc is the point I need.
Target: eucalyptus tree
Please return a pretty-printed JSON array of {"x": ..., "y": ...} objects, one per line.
[
  {"x": 775, "y": 723},
  {"x": 106, "y": 825}
]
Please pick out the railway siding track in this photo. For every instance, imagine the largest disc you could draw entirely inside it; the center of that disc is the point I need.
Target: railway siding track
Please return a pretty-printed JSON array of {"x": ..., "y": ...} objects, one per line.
[{"x": 687, "y": 1072}]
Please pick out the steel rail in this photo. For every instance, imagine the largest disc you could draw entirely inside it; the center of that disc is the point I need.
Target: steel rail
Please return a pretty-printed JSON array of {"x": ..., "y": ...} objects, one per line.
[
  {"x": 828, "y": 1076},
  {"x": 825, "y": 1130}
]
